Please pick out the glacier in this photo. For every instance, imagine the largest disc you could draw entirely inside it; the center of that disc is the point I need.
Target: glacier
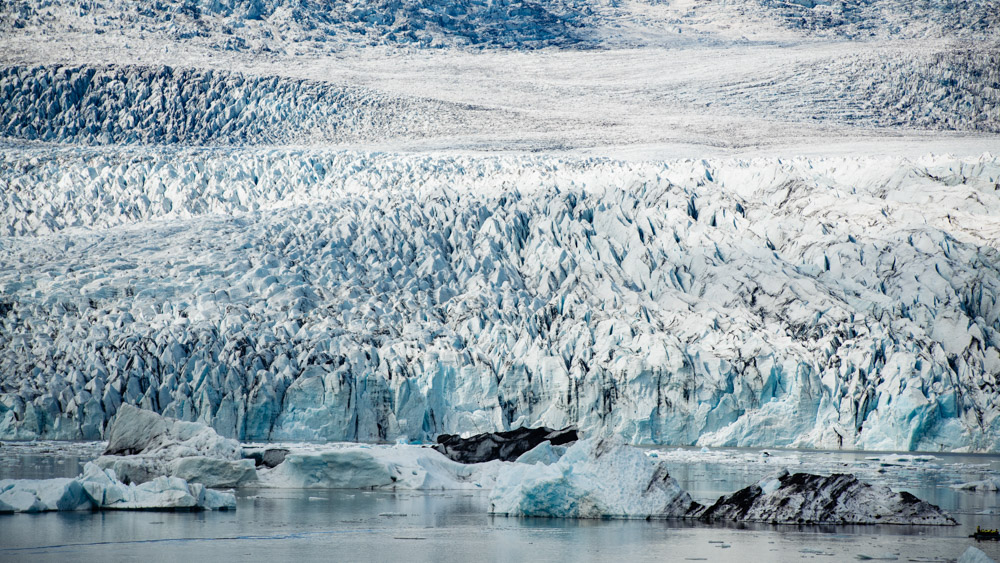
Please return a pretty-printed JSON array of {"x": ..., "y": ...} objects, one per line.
[
  {"x": 385, "y": 221},
  {"x": 311, "y": 294}
]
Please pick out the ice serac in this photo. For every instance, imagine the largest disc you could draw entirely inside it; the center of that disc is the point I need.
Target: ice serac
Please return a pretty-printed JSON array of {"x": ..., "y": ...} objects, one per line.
[
  {"x": 143, "y": 445},
  {"x": 503, "y": 446},
  {"x": 802, "y": 498},
  {"x": 260, "y": 25},
  {"x": 595, "y": 478},
  {"x": 325, "y": 295},
  {"x": 100, "y": 489}
]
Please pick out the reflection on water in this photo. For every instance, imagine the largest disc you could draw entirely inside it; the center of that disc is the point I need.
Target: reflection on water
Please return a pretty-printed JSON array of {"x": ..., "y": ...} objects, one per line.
[{"x": 454, "y": 526}]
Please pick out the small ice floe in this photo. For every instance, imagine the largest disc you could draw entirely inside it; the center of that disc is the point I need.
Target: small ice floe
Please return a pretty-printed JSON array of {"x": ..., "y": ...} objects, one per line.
[
  {"x": 975, "y": 555},
  {"x": 990, "y": 485}
]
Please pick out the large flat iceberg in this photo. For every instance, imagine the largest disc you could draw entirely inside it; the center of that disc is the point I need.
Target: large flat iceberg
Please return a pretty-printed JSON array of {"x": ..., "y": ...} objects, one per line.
[
  {"x": 100, "y": 489},
  {"x": 363, "y": 466}
]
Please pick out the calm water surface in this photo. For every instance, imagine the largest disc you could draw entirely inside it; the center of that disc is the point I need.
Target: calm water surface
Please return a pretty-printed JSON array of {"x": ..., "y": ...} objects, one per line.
[{"x": 282, "y": 525}]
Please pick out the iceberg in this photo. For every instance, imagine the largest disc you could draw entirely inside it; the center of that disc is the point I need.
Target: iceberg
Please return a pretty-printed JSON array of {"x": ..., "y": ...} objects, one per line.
[
  {"x": 503, "y": 446},
  {"x": 143, "y": 445},
  {"x": 975, "y": 555},
  {"x": 603, "y": 478},
  {"x": 42, "y": 495},
  {"x": 802, "y": 498},
  {"x": 544, "y": 453},
  {"x": 381, "y": 467},
  {"x": 595, "y": 478},
  {"x": 989, "y": 485},
  {"x": 99, "y": 489}
]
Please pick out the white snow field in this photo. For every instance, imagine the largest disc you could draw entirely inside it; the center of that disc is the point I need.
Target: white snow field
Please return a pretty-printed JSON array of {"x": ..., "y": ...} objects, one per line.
[{"x": 740, "y": 223}]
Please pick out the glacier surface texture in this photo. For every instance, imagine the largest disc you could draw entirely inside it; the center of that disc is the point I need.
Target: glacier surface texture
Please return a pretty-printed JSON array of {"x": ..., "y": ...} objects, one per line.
[{"x": 336, "y": 295}]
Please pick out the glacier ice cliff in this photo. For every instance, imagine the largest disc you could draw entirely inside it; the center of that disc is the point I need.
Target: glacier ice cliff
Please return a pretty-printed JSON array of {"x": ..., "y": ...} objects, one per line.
[{"x": 335, "y": 295}]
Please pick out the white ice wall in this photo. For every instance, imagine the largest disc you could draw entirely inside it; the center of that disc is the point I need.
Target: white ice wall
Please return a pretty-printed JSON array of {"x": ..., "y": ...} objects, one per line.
[{"x": 280, "y": 294}]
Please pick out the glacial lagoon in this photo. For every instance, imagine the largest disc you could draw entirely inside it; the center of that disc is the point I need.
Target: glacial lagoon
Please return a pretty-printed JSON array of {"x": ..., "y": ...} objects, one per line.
[{"x": 344, "y": 525}]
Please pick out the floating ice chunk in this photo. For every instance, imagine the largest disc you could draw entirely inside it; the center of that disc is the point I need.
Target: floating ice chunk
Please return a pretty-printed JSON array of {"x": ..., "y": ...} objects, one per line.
[
  {"x": 99, "y": 489},
  {"x": 42, "y": 495},
  {"x": 813, "y": 499},
  {"x": 354, "y": 466},
  {"x": 990, "y": 485},
  {"x": 138, "y": 431},
  {"x": 339, "y": 469},
  {"x": 595, "y": 478},
  {"x": 212, "y": 471},
  {"x": 974, "y": 555},
  {"x": 143, "y": 445}
]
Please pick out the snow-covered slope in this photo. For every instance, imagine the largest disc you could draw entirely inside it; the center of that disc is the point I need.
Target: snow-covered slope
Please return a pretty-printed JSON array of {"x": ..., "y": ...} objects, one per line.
[{"x": 279, "y": 294}]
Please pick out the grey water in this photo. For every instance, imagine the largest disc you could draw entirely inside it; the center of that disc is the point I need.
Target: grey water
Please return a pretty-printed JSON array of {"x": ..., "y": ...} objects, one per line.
[{"x": 282, "y": 525}]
